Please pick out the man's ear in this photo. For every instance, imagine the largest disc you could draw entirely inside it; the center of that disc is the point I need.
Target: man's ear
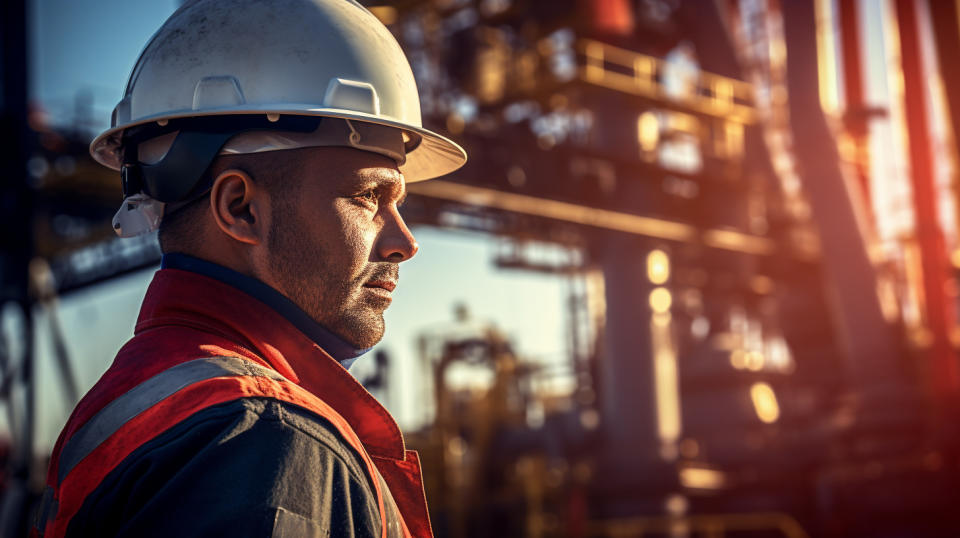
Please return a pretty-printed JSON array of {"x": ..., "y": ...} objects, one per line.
[{"x": 237, "y": 205}]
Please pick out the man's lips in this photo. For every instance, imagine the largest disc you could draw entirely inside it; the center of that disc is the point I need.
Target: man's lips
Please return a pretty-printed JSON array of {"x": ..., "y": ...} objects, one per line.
[{"x": 385, "y": 284}]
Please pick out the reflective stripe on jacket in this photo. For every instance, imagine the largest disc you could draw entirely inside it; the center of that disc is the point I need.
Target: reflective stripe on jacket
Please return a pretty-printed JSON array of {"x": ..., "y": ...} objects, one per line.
[{"x": 199, "y": 343}]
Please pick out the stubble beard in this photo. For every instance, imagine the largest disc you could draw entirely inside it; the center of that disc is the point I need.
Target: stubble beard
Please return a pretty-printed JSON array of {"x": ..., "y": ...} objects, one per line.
[{"x": 334, "y": 301}]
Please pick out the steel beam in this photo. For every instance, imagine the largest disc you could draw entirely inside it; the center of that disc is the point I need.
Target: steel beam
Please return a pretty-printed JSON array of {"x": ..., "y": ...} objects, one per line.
[
  {"x": 866, "y": 339},
  {"x": 937, "y": 310}
]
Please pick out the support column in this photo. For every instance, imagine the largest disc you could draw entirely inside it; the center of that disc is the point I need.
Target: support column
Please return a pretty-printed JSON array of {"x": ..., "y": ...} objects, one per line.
[
  {"x": 16, "y": 249},
  {"x": 937, "y": 307},
  {"x": 868, "y": 343},
  {"x": 639, "y": 392}
]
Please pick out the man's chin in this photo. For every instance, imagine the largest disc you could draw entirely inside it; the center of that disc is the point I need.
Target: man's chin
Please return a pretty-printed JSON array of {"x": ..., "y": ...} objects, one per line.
[{"x": 362, "y": 332}]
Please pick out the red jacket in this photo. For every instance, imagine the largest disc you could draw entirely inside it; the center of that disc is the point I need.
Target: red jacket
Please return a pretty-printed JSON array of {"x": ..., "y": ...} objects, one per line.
[{"x": 226, "y": 346}]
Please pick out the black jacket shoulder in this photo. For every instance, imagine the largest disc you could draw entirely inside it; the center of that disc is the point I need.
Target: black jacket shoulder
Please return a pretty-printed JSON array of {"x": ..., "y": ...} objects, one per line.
[{"x": 249, "y": 467}]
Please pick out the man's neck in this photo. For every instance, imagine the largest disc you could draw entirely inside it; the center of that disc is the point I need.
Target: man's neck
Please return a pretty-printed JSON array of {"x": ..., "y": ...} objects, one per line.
[{"x": 329, "y": 342}]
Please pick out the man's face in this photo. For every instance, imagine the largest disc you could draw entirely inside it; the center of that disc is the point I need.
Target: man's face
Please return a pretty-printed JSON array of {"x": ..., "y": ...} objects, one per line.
[{"x": 336, "y": 237}]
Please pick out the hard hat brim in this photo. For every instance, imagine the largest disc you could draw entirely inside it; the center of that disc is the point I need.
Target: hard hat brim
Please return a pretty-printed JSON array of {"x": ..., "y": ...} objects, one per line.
[{"x": 435, "y": 156}]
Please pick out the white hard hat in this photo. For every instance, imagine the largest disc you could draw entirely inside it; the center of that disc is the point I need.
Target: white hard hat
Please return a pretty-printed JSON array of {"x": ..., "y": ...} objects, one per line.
[{"x": 252, "y": 65}]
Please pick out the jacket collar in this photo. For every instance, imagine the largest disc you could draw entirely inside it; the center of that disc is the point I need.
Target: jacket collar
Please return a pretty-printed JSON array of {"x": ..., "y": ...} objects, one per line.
[
  {"x": 343, "y": 352},
  {"x": 177, "y": 297}
]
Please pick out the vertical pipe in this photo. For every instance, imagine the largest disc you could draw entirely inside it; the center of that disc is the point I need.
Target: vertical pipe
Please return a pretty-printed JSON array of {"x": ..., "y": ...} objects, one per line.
[
  {"x": 855, "y": 116},
  {"x": 628, "y": 394},
  {"x": 852, "y": 67},
  {"x": 929, "y": 235},
  {"x": 946, "y": 34}
]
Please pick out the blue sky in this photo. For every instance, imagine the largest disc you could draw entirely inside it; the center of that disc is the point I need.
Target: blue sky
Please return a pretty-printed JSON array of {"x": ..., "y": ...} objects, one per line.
[{"x": 85, "y": 45}]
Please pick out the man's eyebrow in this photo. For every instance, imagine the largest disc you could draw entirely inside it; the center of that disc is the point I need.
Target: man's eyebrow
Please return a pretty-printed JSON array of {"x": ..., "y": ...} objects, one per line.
[
  {"x": 376, "y": 180},
  {"x": 392, "y": 181}
]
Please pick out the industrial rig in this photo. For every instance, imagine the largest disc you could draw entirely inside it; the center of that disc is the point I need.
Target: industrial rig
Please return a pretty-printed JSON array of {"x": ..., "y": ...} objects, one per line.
[{"x": 754, "y": 349}]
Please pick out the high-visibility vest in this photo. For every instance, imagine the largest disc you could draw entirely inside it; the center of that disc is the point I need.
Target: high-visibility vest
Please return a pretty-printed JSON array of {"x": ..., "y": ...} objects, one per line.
[{"x": 162, "y": 401}]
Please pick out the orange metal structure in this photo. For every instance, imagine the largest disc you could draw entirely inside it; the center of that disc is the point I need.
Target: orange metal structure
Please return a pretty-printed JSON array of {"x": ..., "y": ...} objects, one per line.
[{"x": 937, "y": 311}]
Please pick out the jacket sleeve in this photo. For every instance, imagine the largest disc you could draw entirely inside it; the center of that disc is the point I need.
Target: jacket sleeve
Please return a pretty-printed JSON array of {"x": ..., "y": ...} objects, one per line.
[{"x": 252, "y": 467}]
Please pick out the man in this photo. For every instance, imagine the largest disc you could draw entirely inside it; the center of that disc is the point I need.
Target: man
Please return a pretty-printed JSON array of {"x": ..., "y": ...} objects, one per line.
[{"x": 271, "y": 143}]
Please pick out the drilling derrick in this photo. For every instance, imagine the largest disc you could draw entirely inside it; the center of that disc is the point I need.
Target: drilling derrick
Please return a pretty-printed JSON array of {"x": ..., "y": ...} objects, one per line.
[{"x": 744, "y": 358}]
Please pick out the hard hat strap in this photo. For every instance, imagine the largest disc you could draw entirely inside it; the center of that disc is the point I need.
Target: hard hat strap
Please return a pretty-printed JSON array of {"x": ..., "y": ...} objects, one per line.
[
  {"x": 194, "y": 148},
  {"x": 196, "y": 142},
  {"x": 175, "y": 176}
]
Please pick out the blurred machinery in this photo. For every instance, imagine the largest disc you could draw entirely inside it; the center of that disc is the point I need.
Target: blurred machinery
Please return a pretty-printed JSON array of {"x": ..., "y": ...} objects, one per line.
[
  {"x": 753, "y": 351},
  {"x": 763, "y": 365}
]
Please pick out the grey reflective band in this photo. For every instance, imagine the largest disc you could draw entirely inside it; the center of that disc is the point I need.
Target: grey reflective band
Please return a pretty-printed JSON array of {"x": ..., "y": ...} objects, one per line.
[
  {"x": 390, "y": 509},
  {"x": 147, "y": 394}
]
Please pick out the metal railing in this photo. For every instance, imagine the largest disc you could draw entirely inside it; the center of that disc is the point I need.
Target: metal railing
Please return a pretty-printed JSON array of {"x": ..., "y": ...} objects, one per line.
[{"x": 640, "y": 74}]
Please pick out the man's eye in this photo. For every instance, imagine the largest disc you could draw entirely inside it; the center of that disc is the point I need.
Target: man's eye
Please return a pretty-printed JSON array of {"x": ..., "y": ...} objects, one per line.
[{"x": 367, "y": 196}]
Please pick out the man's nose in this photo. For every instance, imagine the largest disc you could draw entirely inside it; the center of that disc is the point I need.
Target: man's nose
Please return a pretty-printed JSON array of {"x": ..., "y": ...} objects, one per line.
[{"x": 396, "y": 242}]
